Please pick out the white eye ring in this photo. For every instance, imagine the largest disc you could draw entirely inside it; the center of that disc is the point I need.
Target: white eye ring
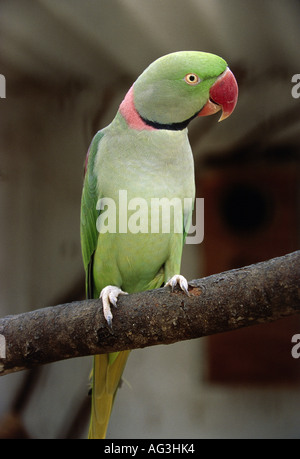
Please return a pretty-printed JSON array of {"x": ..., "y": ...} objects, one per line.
[{"x": 192, "y": 79}]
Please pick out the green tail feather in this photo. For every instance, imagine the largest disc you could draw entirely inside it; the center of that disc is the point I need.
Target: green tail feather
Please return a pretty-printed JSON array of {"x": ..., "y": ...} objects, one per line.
[{"x": 107, "y": 372}]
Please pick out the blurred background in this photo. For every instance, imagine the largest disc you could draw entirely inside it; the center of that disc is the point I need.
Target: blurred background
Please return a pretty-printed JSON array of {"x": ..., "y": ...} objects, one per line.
[{"x": 67, "y": 65}]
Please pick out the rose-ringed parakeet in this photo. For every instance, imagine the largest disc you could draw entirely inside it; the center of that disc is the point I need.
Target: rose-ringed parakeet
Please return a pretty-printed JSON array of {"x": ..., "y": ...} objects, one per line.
[{"x": 144, "y": 152}]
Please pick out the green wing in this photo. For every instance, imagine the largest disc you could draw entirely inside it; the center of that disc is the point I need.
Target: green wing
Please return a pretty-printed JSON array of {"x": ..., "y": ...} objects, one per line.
[
  {"x": 108, "y": 368},
  {"x": 89, "y": 214}
]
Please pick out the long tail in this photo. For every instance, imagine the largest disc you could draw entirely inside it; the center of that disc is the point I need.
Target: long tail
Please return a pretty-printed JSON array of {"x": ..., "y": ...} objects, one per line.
[{"x": 107, "y": 372}]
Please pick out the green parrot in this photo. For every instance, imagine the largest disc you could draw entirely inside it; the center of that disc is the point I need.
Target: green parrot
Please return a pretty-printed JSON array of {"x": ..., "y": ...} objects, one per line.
[{"x": 145, "y": 154}]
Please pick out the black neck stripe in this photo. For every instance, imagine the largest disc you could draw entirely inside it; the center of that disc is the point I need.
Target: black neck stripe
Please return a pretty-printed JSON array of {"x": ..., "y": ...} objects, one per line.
[{"x": 170, "y": 127}]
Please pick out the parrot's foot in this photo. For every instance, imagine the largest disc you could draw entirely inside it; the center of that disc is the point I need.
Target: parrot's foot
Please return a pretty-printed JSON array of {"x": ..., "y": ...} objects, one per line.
[
  {"x": 109, "y": 295},
  {"x": 178, "y": 280}
]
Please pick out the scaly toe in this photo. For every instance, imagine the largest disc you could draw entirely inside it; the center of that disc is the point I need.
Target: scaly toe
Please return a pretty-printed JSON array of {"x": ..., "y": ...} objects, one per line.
[
  {"x": 109, "y": 295},
  {"x": 178, "y": 280}
]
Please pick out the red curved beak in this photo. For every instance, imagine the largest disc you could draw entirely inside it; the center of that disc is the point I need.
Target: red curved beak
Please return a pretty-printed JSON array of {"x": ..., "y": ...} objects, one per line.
[{"x": 223, "y": 96}]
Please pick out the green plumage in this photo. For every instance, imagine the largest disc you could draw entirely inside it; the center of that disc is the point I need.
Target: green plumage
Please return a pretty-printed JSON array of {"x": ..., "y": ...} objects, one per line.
[{"x": 144, "y": 163}]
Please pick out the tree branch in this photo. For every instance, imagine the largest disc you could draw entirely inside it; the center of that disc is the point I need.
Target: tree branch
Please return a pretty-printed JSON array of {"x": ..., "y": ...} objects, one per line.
[{"x": 255, "y": 294}]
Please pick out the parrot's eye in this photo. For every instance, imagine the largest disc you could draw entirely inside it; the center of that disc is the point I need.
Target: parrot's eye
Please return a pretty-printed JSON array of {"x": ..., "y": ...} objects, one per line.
[{"x": 192, "y": 79}]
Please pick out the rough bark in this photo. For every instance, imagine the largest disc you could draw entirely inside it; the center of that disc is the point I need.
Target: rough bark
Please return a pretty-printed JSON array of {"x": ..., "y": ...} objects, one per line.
[{"x": 251, "y": 295}]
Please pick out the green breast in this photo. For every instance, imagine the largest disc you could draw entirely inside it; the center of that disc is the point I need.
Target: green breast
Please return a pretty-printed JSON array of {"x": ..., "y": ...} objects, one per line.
[{"x": 143, "y": 178}]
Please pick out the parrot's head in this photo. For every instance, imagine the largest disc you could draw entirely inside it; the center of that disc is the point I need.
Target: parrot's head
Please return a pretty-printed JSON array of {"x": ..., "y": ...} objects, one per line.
[{"x": 177, "y": 87}]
